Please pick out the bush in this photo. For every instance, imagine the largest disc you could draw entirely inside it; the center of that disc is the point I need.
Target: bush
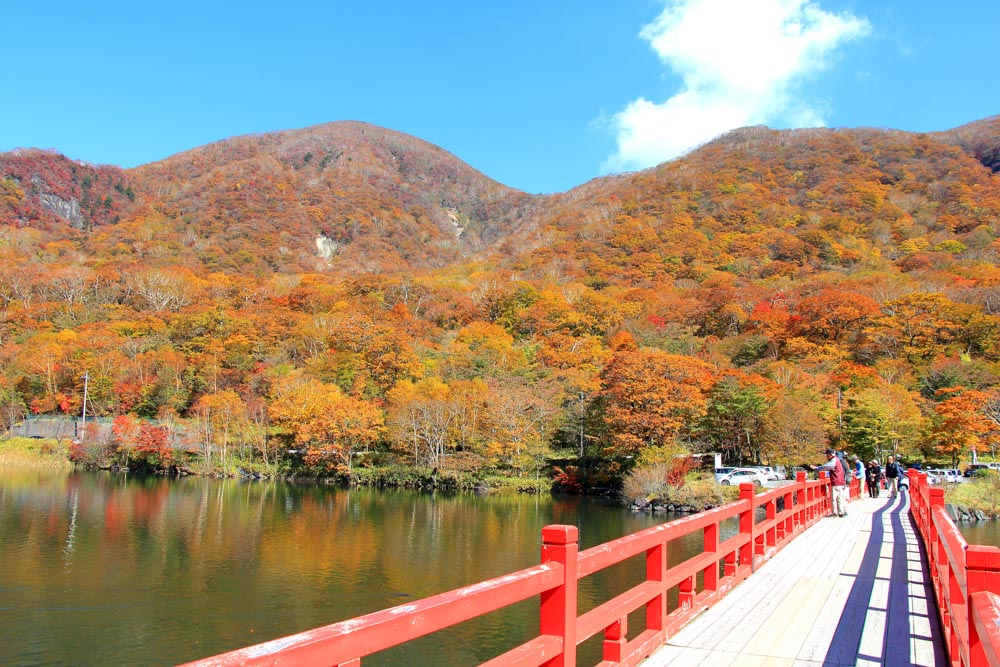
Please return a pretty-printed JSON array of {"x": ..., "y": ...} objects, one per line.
[
  {"x": 519, "y": 484},
  {"x": 586, "y": 477},
  {"x": 647, "y": 482},
  {"x": 658, "y": 478}
]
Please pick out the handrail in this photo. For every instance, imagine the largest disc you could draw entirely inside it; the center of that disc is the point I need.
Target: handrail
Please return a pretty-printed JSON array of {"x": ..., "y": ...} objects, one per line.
[
  {"x": 721, "y": 565},
  {"x": 965, "y": 579}
]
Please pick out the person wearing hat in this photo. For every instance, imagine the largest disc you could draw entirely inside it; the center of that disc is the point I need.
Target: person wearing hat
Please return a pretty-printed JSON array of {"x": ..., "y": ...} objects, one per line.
[{"x": 838, "y": 478}]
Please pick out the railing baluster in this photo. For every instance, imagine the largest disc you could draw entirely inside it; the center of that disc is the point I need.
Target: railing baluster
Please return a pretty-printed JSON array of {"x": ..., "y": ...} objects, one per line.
[
  {"x": 747, "y": 523},
  {"x": 656, "y": 570},
  {"x": 558, "y": 607},
  {"x": 615, "y": 640},
  {"x": 772, "y": 511},
  {"x": 801, "y": 516},
  {"x": 711, "y": 542}
]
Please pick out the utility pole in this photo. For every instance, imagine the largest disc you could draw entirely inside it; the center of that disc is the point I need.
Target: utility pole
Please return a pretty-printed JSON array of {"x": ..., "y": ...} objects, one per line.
[{"x": 83, "y": 424}]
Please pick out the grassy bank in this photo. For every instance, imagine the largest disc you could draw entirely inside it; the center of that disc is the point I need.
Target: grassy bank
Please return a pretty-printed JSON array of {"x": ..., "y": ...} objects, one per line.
[
  {"x": 35, "y": 452},
  {"x": 980, "y": 492},
  {"x": 48, "y": 453},
  {"x": 429, "y": 478}
]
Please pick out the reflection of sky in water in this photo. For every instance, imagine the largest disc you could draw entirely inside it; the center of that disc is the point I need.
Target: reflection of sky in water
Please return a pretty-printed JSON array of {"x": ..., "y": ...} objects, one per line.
[{"x": 101, "y": 569}]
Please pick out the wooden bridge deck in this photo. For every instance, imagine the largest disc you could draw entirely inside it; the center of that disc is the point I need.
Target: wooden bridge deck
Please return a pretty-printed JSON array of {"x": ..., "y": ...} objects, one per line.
[{"x": 848, "y": 591}]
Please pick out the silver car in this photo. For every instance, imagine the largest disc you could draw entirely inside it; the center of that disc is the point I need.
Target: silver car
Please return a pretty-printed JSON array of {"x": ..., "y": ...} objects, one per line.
[{"x": 743, "y": 476}]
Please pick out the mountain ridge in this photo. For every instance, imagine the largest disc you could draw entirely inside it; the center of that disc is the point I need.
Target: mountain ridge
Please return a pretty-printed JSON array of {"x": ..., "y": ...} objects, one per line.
[{"x": 350, "y": 197}]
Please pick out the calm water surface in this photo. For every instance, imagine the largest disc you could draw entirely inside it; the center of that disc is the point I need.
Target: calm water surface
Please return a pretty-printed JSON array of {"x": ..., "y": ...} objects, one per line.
[
  {"x": 97, "y": 569},
  {"x": 985, "y": 532}
]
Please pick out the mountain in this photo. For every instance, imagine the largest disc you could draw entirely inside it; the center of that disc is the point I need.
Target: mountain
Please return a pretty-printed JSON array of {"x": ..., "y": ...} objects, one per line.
[
  {"x": 761, "y": 203},
  {"x": 980, "y": 138},
  {"x": 345, "y": 196},
  {"x": 829, "y": 280},
  {"x": 349, "y": 197},
  {"x": 48, "y": 191}
]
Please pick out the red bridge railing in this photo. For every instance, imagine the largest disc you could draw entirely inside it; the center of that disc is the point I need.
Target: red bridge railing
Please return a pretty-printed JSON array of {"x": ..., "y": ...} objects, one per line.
[
  {"x": 965, "y": 578},
  {"x": 721, "y": 565}
]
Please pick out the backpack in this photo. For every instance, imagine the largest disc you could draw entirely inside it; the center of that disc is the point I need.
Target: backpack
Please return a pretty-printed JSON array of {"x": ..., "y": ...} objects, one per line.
[{"x": 848, "y": 470}]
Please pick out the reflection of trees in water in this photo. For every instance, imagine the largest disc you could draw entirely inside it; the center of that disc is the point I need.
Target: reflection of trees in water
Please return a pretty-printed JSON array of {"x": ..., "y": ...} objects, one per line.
[{"x": 185, "y": 568}]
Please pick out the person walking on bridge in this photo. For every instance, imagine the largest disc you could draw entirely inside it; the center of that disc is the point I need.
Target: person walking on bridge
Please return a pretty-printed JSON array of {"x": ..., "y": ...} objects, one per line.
[
  {"x": 838, "y": 478},
  {"x": 892, "y": 473}
]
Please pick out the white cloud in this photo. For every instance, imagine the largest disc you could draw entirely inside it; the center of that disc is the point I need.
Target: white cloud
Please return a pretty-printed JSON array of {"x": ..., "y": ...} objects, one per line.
[{"x": 740, "y": 63}]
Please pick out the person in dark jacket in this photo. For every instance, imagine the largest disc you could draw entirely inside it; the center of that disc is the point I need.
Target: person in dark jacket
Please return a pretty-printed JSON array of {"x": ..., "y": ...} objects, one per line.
[
  {"x": 892, "y": 474},
  {"x": 873, "y": 477}
]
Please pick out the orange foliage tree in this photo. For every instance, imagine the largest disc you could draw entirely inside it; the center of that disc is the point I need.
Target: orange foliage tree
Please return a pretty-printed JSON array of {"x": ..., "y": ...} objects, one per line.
[
  {"x": 650, "y": 396},
  {"x": 961, "y": 425}
]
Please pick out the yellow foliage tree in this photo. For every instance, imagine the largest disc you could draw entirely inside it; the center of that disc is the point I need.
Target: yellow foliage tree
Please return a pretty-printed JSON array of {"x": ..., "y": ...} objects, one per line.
[{"x": 331, "y": 426}]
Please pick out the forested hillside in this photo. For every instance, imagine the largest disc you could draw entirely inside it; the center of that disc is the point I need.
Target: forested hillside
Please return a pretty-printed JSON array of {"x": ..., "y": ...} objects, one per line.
[{"x": 345, "y": 289}]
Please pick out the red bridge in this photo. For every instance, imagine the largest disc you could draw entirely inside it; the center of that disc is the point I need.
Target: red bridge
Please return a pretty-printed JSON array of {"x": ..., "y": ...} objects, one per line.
[{"x": 879, "y": 587}]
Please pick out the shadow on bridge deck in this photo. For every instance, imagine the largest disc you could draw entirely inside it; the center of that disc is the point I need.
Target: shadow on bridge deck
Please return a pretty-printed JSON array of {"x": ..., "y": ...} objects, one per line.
[{"x": 851, "y": 591}]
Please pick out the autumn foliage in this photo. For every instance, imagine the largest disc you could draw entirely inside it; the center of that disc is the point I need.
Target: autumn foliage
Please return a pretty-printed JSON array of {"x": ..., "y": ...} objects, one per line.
[{"x": 346, "y": 295}]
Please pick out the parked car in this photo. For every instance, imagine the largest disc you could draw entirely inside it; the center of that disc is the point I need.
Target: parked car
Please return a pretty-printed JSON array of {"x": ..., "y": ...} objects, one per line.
[
  {"x": 949, "y": 475},
  {"x": 743, "y": 476},
  {"x": 935, "y": 476},
  {"x": 769, "y": 472},
  {"x": 974, "y": 468},
  {"x": 721, "y": 472}
]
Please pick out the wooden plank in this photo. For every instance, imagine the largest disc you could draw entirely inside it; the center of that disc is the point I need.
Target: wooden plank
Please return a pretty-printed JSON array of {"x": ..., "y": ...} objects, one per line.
[
  {"x": 820, "y": 637},
  {"x": 761, "y": 661},
  {"x": 739, "y": 636},
  {"x": 751, "y": 599},
  {"x": 735, "y": 619},
  {"x": 853, "y": 562},
  {"x": 791, "y": 640},
  {"x": 772, "y": 638},
  {"x": 873, "y": 637},
  {"x": 767, "y": 633},
  {"x": 682, "y": 656},
  {"x": 818, "y": 540},
  {"x": 926, "y": 644}
]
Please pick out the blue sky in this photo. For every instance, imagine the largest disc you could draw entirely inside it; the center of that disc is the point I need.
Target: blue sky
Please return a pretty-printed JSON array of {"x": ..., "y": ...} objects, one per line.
[{"x": 541, "y": 95}]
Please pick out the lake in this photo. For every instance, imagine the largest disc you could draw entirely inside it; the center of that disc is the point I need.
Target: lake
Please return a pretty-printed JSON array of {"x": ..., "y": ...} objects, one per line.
[{"x": 102, "y": 569}]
